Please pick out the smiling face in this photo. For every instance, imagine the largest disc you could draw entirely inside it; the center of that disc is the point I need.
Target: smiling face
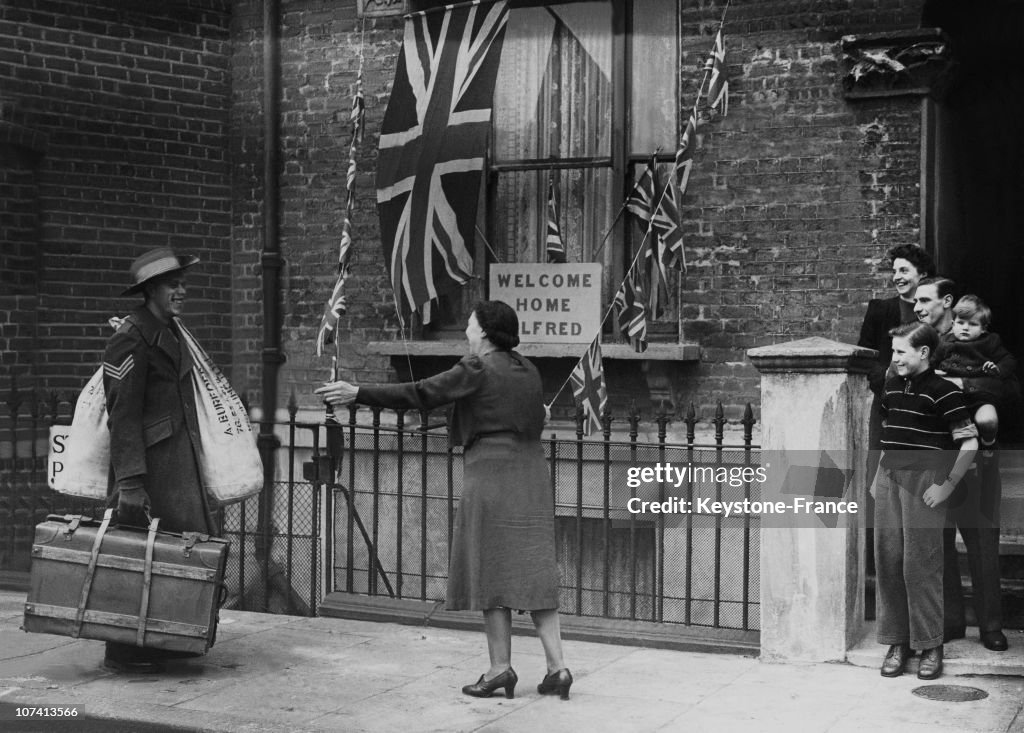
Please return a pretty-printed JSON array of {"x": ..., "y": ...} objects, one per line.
[
  {"x": 905, "y": 277},
  {"x": 167, "y": 296},
  {"x": 908, "y": 360},
  {"x": 929, "y": 307}
]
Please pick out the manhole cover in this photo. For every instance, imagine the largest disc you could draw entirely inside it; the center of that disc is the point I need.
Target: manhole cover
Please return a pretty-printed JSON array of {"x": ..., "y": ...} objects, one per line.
[{"x": 950, "y": 693}]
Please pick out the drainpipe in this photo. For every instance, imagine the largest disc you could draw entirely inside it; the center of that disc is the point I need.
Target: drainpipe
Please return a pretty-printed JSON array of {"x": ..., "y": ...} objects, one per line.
[{"x": 271, "y": 262}]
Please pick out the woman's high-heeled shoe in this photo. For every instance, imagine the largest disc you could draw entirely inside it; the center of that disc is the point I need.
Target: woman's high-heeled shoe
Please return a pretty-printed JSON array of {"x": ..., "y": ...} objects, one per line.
[
  {"x": 486, "y": 688},
  {"x": 559, "y": 682}
]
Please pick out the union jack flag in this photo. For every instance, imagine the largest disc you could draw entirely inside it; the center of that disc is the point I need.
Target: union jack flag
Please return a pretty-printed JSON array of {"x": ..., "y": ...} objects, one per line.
[
  {"x": 641, "y": 199},
  {"x": 588, "y": 388},
  {"x": 684, "y": 153},
  {"x": 718, "y": 87},
  {"x": 629, "y": 302},
  {"x": 554, "y": 246},
  {"x": 666, "y": 226},
  {"x": 432, "y": 145}
]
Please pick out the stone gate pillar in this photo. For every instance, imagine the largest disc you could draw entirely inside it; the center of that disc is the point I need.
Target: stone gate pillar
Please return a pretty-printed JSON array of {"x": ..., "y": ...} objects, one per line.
[{"x": 814, "y": 400}]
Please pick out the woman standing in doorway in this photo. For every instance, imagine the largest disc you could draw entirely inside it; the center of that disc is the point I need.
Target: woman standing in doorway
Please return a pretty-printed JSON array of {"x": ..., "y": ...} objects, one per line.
[{"x": 910, "y": 264}]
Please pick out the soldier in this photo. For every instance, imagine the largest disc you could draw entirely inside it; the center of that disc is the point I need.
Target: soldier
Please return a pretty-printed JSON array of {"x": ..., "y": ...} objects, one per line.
[{"x": 154, "y": 434}]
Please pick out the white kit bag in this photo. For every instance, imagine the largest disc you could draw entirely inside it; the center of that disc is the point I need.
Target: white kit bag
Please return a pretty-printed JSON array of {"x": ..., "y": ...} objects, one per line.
[
  {"x": 229, "y": 461},
  {"x": 86, "y": 461}
]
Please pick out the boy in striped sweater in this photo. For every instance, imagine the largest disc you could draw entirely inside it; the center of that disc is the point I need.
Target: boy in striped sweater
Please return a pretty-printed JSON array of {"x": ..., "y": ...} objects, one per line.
[{"x": 921, "y": 464}]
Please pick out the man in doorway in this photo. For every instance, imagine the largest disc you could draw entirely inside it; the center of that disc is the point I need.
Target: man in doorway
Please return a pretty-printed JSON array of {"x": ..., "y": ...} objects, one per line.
[
  {"x": 154, "y": 432},
  {"x": 973, "y": 508}
]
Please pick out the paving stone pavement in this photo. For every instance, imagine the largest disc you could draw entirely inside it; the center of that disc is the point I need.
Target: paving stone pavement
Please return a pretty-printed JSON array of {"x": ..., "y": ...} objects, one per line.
[{"x": 286, "y": 673}]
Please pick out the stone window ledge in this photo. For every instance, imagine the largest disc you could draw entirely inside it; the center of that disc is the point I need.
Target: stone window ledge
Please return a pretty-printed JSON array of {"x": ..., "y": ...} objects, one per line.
[{"x": 655, "y": 351}]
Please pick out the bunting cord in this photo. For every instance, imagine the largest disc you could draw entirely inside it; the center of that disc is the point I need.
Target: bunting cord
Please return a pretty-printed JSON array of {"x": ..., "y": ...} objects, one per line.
[{"x": 483, "y": 238}]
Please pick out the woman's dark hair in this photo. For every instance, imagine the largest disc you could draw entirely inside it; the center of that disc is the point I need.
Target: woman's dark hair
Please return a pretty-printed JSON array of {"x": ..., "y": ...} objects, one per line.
[
  {"x": 914, "y": 255},
  {"x": 499, "y": 323},
  {"x": 918, "y": 334}
]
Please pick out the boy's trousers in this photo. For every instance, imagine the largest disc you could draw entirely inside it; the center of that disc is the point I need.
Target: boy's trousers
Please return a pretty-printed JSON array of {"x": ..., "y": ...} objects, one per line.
[{"x": 908, "y": 558}]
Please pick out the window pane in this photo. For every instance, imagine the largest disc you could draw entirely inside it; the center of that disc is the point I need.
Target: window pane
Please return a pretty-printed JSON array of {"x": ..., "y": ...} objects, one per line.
[
  {"x": 584, "y": 213},
  {"x": 654, "y": 68},
  {"x": 553, "y": 96}
]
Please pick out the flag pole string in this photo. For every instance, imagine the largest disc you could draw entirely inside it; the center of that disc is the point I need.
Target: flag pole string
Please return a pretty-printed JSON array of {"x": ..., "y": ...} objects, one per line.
[
  {"x": 483, "y": 238},
  {"x": 357, "y": 135},
  {"x": 327, "y": 331}
]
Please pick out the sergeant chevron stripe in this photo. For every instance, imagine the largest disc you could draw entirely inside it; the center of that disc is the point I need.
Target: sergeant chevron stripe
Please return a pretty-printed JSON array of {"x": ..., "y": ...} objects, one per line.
[{"x": 119, "y": 372}]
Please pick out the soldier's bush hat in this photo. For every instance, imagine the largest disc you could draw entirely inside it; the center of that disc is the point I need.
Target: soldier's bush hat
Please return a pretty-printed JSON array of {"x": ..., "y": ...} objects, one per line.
[{"x": 156, "y": 263}]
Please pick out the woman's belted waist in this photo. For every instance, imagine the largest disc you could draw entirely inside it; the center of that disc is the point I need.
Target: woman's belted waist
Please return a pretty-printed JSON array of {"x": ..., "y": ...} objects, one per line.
[{"x": 504, "y": 435}]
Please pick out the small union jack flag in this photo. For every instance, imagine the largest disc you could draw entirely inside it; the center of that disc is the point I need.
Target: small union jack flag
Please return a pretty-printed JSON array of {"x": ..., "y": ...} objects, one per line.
[
  {"x": 632, "y": 313},
  {"x": 718, "y": 87},
  {"x": 684, "y": 153},
  {"x": 554, "y": 245},
  {"x": 641, "y": 200},
  {"x": 588, "y": 388},
  {"x": 432, "y": 145},
  {"x": 665, "y": 223}
]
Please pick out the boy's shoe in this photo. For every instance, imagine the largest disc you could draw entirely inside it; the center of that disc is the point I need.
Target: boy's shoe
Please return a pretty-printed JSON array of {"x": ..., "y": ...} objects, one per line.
[
  {"x": 931, "y": 664},
  {"x": 896, "y": 659}
]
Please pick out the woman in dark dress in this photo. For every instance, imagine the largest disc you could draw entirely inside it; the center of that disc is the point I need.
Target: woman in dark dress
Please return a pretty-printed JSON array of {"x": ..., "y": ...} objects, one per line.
[{"x": 503, "y": 549}]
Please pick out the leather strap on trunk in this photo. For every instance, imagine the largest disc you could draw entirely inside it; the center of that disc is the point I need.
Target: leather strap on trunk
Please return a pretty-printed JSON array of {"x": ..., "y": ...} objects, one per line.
[
  {"x": 90, "y": 572},
  {"x": 147, "y": 582}
]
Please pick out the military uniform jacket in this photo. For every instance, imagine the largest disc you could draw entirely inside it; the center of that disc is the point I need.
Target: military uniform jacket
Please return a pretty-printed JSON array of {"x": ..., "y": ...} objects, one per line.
[{"x": 154, "y": 433}]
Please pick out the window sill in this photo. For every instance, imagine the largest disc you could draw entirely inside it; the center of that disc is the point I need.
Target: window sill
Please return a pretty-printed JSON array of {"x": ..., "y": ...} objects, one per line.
[{"x": 655, "y": 351}]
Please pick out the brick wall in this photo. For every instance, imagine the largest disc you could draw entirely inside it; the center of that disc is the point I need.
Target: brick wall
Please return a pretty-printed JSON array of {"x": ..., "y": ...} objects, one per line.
[
  {"x": 133, "y": 101},
  {"x": 320, "y": 41},
  {"x": 796, "y": 195},
  {"x": 794, "y": 198}
]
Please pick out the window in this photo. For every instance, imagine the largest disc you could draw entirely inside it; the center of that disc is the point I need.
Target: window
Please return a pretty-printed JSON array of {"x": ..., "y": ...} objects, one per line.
[{"x": 586, "y": 91}]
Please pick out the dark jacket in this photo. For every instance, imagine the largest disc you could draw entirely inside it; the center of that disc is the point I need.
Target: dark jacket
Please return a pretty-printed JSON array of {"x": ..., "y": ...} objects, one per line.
[
  {"x": 499, "y": 392},
  {"x": 966, "y": 358},
  {"x": 882, "y": 316},
  {"x": 154, "y": 433}
]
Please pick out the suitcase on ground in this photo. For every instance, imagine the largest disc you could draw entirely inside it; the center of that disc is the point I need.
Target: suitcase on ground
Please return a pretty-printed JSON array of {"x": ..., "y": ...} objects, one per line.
[{"x": 94, "y": 580}]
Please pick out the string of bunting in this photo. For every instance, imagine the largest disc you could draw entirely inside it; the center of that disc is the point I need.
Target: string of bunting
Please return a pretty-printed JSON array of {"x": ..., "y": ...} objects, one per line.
[
  {"x": 661, "y": 247},
  {"x": 336, "y": 305}
]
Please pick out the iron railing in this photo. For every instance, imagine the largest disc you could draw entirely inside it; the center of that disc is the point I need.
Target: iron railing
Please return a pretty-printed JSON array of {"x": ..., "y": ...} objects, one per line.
[
  {"x": 367, "y": 505},
  {"x": 396, "y": 491}
]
